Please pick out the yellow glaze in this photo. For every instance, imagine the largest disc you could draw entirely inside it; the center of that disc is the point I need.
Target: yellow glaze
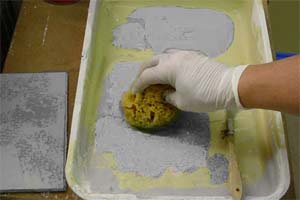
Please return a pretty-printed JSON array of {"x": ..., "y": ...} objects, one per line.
[{"x": 169, "y": 179}]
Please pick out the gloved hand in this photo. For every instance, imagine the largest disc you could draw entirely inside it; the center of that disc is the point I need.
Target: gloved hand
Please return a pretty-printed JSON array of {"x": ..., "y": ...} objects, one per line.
[{"x": 201, "y": 84}]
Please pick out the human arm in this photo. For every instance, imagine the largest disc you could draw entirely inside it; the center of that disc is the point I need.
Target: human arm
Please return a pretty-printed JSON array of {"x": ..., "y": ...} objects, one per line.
[
  {"x": 203, "y": 85},
  {"x": 273, "y": 86}
]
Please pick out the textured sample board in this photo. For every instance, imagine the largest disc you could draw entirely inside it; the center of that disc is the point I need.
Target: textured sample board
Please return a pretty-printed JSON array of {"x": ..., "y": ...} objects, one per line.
[
  {"x": 161, "y": 28},
  {"x": 181, "y": 146},
  {"x": 32, "y": 131}
]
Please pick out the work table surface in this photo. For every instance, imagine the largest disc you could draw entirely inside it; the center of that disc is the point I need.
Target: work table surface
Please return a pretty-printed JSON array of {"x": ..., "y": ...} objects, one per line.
[{"x": 49, "y": 38}]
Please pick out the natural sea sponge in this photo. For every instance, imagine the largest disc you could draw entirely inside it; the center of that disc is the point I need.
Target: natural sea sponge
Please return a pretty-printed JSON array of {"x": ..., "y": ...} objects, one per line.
[{"x": 147, "y": 110}]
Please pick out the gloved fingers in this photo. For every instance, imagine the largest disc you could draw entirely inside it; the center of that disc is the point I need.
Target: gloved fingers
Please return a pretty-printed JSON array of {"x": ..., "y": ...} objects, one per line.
[
  {"x": 201, "y": 53},
  {"x": 170, "y": 51},
  {"x": 148, "y": 77},
  {"x": 172, "y": 97},
  {"x": 143, "y": 78},
  {"x": 154, "y": 61},
  {"x": 147, "y": 64},
  {"x": 198, "y": 52},
  {"x": 150, "y": 63}
]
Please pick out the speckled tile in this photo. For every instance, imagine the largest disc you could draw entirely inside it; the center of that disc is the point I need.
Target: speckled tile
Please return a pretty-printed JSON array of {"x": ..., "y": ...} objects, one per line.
[{"x": 33, "y": 108}]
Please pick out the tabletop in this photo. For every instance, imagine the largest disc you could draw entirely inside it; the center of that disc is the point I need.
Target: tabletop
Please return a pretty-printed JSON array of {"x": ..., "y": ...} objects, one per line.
[{"x": 47, "y": 38}]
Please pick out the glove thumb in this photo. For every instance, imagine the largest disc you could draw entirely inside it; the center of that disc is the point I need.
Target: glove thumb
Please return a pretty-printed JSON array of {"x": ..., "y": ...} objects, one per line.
[{"x": 172, "y": 97}]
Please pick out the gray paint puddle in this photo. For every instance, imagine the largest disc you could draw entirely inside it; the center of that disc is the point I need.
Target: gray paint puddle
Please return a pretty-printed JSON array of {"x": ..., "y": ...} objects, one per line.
[
  {"x": 32, "y": 131},
  {"x": 181, "y": 146},
  {"x": 161, "y": 28}
]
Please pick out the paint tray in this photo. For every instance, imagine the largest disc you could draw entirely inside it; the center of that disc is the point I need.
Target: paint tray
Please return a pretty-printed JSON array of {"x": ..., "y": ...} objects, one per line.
[{"x": 188, "y": 159}]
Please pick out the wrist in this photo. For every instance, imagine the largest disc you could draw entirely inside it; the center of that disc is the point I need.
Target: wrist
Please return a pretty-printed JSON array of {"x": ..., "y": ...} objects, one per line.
[
  {"x": 248, "y": 86},
  {"x": 237, "y": 75},
  {"x": 227, "y": 93},
  {"x": 273, "y": 86}
]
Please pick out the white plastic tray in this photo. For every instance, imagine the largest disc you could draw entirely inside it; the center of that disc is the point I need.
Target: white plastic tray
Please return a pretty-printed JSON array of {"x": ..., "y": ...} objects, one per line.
[{"x": 84, "y": 172}]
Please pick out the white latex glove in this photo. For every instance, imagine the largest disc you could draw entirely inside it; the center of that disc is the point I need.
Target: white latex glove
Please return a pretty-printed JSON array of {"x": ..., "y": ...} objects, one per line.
[{"x": 201, "y": 84}]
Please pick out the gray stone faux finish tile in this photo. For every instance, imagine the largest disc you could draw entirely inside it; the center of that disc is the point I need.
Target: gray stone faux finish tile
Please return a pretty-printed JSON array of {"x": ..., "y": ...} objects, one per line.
[{"x": 33, "y": 131}]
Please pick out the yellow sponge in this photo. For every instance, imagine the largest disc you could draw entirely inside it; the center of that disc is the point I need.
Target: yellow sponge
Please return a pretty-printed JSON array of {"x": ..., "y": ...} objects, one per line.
[{"x": 147, "y": 110}]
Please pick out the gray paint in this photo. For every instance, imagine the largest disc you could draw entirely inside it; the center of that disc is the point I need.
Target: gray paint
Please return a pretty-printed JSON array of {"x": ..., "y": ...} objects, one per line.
[
  {"x": 161, "y": 28},
  {"x": 32, "y": 131},
  {"x": 181, "y": 146},
  {"x": 218, "y": 167}
]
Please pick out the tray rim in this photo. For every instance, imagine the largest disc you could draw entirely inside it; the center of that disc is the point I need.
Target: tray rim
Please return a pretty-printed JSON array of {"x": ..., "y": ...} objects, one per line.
[{"x": 284, "y": 170}]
